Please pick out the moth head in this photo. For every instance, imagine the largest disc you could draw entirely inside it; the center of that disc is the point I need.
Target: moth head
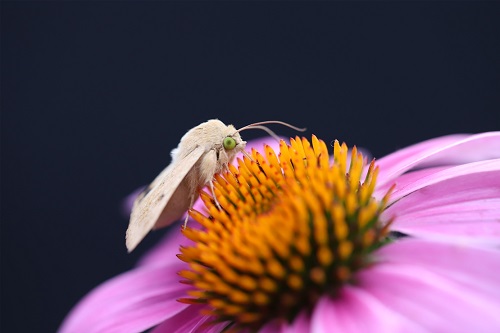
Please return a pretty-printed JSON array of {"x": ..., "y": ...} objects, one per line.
[{"x": 233, "y": 142}]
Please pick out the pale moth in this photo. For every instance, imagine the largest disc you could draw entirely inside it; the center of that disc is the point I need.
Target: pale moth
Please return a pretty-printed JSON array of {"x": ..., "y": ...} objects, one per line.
[{"x": 203, "y": 151}]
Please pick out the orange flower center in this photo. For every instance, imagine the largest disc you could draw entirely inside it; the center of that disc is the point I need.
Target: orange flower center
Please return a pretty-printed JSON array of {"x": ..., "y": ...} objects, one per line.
[{"x": 293, "y": 227}]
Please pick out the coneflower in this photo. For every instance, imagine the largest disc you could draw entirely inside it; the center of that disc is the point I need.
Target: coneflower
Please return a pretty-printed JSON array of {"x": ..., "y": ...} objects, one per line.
[{"x": 305, "y": 242}]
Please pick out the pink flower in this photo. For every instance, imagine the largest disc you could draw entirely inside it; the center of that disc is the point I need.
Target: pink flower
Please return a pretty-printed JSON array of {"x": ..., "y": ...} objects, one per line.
[{"x": 442, "y": 278}]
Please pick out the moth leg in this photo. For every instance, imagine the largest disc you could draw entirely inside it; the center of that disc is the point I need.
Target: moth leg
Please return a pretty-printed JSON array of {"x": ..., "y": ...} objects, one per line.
[
  {"x": 225, "y": 164},
  {"x": 247, "y": 155},
  {"x": 191, "y": 203},
  {"x": 213, "y": 195}
]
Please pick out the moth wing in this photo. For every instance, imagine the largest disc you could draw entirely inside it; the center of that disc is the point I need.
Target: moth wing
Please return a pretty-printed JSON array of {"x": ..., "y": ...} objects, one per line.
[{"x": 149, "y": 205}]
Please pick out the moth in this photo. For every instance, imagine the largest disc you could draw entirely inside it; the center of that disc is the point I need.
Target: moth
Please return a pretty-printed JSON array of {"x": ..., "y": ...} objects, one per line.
[{"x": 203, "y": 151}]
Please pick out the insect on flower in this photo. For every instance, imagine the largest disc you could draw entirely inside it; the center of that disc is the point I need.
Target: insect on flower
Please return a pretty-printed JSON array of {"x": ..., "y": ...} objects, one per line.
[
  {"x": 205, "y": 150},
  {"x": 300, "y": 246}
]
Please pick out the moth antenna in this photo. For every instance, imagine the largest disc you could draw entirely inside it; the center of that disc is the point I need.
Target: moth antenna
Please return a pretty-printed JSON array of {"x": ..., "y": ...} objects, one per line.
[
  {"x": 268, "y": 130},
  {"x": 271, "y": 122}
]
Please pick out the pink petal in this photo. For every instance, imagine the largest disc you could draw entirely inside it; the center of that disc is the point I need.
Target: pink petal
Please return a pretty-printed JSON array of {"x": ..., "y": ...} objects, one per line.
[
  {"x": 473, "y": 233},
  {"x": 404, "y": 188},
  {"x": 131, "y": 302},
  {"x": 356, "y": 311},
  {"x": 165, "y": 252},
  {"x": 404, "y": 179},
  {"x": 302, "y": 323},
  {"x": 213, "y": 328},
  {"x": 185, "y": 321},
  {"x": 474, "y": 267},
  {"x": 418, "y": 286},
  {"x": 258, "y": 144},
  {"x": 447, "y": 150},
  {"x": 466, "y": 204},
  {"x": 272, "y": 327},
  {"x": 189, "y": 320},
  {"x": 432, "y": 301}
]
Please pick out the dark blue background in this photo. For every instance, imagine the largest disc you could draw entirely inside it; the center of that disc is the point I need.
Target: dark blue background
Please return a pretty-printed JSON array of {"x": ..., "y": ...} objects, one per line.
[{"x": 95, "y": 95}]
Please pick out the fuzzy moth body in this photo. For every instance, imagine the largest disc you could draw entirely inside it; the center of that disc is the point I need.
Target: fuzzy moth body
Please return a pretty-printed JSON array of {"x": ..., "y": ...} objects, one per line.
[{"x": 203, "y": 151}]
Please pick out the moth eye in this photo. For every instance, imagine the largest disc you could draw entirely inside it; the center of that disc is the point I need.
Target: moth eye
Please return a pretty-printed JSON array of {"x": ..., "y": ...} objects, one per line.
[{"x": 229, "y": 143}]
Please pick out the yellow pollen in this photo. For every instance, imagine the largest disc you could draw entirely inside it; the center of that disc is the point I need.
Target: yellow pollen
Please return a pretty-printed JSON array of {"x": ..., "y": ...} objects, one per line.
[{"x": 294, "y": 225}]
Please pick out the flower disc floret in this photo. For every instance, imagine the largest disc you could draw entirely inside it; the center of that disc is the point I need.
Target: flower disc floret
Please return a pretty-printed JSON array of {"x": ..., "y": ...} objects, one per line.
[{"x": 290, "y": 228}]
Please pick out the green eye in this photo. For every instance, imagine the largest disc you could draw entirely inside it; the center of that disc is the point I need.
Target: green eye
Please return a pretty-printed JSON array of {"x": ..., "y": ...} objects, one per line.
[{"x": 229, "y": 143}]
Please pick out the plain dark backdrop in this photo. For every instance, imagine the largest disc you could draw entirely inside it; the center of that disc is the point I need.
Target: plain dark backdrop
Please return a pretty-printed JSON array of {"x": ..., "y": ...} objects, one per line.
[{"x": 96, "y": 94}]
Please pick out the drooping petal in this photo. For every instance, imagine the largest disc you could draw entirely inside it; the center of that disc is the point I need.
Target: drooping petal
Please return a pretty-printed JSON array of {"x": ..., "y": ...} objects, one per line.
[
  {"x": 131, "y": 302},
  {"x": 165, "y": 252},
  {"x": 472, "y": 233},
  {"x": 407, "y": 178},
  {"x": 482, "y": 167},
  {"x": 357, "y": 311},
  {"x": 462, "y": 200},
  {"x": 189, "y": 320},
  {"x": 409, "y": 183},
  {"x": 212, "y": 328},
  {"x": 443, "y": 287},
  {"x": 418, "y": 286},
  {"x": 302, "y": 323},
  {"x": 447, "y": 150},
  {"x": 473, "y": 267},
  {"x": 432, "y": 301},
  {"x": 185, "y": 321}
]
